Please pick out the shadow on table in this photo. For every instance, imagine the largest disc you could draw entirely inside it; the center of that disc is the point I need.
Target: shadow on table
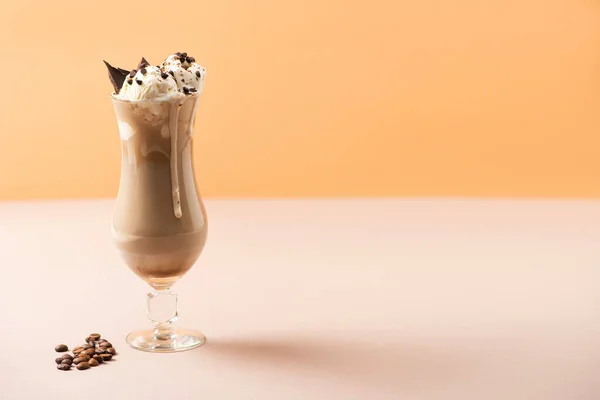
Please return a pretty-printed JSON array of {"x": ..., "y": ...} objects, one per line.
[{"x": 389, "y": 364}]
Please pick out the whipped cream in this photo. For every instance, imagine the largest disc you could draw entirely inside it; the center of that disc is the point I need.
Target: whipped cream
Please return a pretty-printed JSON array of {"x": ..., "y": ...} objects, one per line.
[{"x": 179, "y": 75}]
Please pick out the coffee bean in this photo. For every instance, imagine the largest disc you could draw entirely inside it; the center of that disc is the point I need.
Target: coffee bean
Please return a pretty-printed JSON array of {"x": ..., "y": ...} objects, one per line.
[
  {"x": 81, "y": 359},
  {"x": 108, "y": 344},
  {"x": 93, "y": 363},
  {"x": 66, "y": 356},
  {"x": 86, "y": 346},
  {"x": 58, "y": 360},
  {"x": 95, "y": 336},
  {"x": 77, "y": 350},
  {"x": 84, "y": 357},
  {"x": 111, "y": 350},
  {"x": 83, "y": 365},
  {"x": 98, "y": 358},
  {"x": 106, "y": 356},
  {"x": 61, "y": 347},
  {"x": 87, "y": 339},
  {"x": 63, "y": 367},
  {"x": 67, "y": 361},
  {"x": 92, "y": 343}
]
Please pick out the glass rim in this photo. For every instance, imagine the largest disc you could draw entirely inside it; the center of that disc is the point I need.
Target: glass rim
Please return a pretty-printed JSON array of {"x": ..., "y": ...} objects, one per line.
[{"x": 157, "y": 101}]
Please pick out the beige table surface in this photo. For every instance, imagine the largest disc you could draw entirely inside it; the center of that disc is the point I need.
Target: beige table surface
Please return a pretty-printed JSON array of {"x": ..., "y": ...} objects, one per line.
[{"x": 318, "y": 299}]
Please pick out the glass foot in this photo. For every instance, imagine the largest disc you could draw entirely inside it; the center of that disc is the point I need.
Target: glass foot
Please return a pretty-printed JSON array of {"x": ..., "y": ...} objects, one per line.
[{"x": 176, "y": 340}]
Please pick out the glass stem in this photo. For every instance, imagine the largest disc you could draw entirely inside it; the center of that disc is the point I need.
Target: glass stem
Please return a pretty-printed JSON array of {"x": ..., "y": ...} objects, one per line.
[{"x": 162, "y": 311}]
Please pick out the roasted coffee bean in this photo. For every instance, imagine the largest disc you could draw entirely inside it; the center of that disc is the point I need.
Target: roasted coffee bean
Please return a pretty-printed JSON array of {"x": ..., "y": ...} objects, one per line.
[
  {"x": 100, "y": 350},
  {"x": 86, "y": 346},
  {"x": 98, "y": 358},
  {"x": 66, "y": 356},
  {"x": 63, "y": 367},
  {"x": 61, "y": 347},
  {"x": 106, "y": 356},
  {"x": 111, "y": 350},
  {"x": 100, "y": 341},
  {"x": 92, "y": 343},
  {"x": 84, "y": 357},
  {"x": 89, "y": 352},
  {"x": 93, "y": 363},
  {"x": 58, "y": 360},
  {"x": 87, "y": 339},
  {"x": 95, "y": 336},
  {"x": 81, "y": 359},
  {"x": 107, "y": 344},
  {"x": 67, "y": 361},
  {"x": 77, "y": 350},
  {"x": 83, "y": 365}
]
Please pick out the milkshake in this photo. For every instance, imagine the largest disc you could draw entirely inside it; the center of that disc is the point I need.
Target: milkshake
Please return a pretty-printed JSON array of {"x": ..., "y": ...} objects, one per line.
[{"x": 159, "y": 223}]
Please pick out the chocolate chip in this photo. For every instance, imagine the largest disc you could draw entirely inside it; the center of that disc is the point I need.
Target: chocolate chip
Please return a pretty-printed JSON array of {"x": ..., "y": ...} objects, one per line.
[
  {"x": 172, "y": 74},
  {"x": 190, "y": 59},
  {"x": 164, "y": 75},
  {"x": 178, "y": 54},
  {"x": 130, "y": 81},
  {"x": 198, "y": 74},
  {"x": 132, "y": 73},
  {"x": 186, "y": 90},
  {"x": 183, "y": 54},
  {"x": 193, "y": 90},
  {"x": 139, "y": 82},
  {"x": 61, "y": 348},
  {"x": 182, "y": 59},
  {"x": 143, "y": 71}
]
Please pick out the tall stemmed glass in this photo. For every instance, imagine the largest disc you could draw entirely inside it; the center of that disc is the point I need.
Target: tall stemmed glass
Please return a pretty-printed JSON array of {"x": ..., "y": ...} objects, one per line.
[{"x": 159, "y": 222}]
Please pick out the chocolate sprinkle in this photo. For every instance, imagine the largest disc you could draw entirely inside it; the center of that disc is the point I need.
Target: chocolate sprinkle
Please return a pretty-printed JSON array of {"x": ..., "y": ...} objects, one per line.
[
  {"x": 132, "y": 73},
  {"x": 138, "y": 81},
  {"x": 164, "y": 75},
  {"x": 117, "y": 76},
  {"x": 198, "y": 74}
]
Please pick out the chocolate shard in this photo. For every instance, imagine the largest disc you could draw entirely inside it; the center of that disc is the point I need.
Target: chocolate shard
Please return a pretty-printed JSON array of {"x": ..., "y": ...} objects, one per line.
[
  {"x": 143, "y": 63},
  {"x": 117, "y": 76}
]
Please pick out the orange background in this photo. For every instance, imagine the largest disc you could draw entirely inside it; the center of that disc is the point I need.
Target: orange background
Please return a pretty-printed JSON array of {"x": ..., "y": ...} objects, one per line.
[{"x": 315, "y": 98}]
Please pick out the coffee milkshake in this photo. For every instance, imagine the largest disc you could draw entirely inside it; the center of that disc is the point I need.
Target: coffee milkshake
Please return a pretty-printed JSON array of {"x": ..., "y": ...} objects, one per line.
[{"x": 159, "y": 223}]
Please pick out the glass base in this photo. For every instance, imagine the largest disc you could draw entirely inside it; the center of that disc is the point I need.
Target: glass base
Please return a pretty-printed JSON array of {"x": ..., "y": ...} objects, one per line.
[{"x": 178, "y": 340}]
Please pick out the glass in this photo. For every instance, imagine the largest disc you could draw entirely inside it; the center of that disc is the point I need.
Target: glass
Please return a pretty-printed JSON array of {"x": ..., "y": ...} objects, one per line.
[{"x": 159, "y": 222}]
